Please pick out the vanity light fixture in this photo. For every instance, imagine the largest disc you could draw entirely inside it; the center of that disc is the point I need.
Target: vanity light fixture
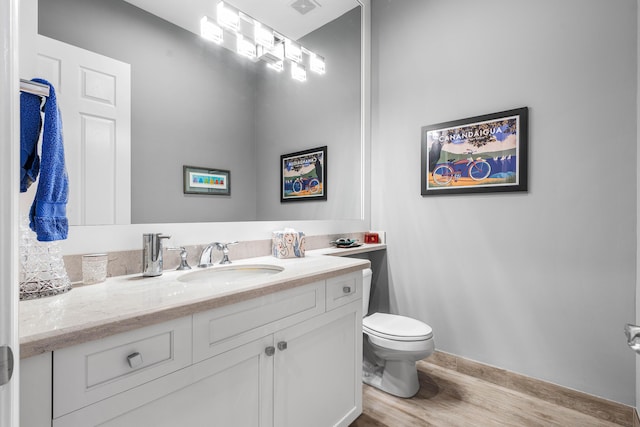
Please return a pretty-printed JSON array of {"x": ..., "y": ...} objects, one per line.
[
  {"x": 316, "y": 63},
  {"x": 210, "y": 31},
  {"x": 256, "y": 41},
  {"x": 246, "y": 47},
  {"x": 277, "y": 66},
  {"x": 228, "y": 16},
  {"x": 274, "y": 57},
  {"x": 292, "y": 51},
  {"x": 298, "y": 72},
  {"x": 263, "y": 35}
]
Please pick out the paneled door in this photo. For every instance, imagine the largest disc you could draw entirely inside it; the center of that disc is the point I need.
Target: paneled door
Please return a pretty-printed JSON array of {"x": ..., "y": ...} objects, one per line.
[
  {"x": 9, "y": 164},
  {"x": 94, "y": 97}
]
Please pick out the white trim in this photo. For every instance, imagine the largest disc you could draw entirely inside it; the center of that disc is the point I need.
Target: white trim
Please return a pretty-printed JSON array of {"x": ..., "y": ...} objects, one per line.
[
  {"x": 365, "y": 130},
  {"x": 637, "y": 205},
  {"x": 9, "y": 163}
]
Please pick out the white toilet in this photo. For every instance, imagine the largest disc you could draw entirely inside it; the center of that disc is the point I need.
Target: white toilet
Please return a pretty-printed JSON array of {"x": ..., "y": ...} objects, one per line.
[{"x": 392, "y": 345}]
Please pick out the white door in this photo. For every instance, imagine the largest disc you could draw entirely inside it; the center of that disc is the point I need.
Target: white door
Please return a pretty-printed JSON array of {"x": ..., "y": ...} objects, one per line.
[
  {"x": 9, "y": 163},
  {"x": 94, "y": 97}
]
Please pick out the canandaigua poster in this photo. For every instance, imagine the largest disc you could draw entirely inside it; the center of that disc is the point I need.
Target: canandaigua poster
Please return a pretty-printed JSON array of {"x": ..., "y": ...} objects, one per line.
[
  {"x": 476, "y": 155},
  {"x": 303, "y": 175}
]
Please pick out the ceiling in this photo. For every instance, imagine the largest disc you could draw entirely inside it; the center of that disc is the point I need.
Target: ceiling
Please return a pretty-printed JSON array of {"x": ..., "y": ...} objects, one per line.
[{"x": 292, "y": 18}]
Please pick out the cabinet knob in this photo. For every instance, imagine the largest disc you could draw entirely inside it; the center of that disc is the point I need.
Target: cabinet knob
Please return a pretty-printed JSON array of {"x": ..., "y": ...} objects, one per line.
[
  {"x": 346, "y": 289},
  {"x": 134, "y": 359},
  {"x": 282, "y": 345},
  {"x": 270, "y": 351}
]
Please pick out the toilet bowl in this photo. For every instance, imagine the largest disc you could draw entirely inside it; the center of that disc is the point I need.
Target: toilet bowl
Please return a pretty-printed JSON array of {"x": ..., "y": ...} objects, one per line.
[{"x": 392, "y": 345}]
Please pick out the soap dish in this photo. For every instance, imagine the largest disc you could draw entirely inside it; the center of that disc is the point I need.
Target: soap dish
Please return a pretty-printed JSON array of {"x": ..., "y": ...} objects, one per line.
[{"x": 346, "y": 243}]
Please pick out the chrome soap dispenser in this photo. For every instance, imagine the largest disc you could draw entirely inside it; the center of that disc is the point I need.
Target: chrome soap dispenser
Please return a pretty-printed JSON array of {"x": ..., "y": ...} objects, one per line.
[{"x": 152, "y": 254}]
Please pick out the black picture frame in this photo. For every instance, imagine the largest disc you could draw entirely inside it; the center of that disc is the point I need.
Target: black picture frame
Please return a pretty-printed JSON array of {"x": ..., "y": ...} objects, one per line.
[
  {"x": 482, "y": 154},
  {"x": 206, "y": 181},
  {"x": 303, "y": 175}
]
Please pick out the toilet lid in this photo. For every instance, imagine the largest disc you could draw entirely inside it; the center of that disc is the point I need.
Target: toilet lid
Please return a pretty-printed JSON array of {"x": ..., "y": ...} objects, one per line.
[{"x": 395, "y": 327}]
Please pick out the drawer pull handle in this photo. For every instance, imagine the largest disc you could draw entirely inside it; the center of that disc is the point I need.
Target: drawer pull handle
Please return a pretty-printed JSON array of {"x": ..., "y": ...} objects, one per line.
[
  {"x": 134, "y": 359},
  {"x": 270, "y": 351},
  {"x": 282, "y": 345},
  {"x": 346, "y": 289}
]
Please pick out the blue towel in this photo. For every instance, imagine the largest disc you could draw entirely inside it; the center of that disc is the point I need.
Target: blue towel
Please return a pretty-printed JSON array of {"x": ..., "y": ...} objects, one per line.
[
  {"x": 30, "y": 123},
  {"x": 48, "y": 214}
]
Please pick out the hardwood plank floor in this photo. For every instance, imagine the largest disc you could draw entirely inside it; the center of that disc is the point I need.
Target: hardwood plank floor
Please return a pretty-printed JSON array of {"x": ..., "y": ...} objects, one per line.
[{"x": 449, "y": 399}]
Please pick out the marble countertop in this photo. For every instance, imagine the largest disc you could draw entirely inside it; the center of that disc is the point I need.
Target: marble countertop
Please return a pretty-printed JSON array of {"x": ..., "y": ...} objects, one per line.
[{"x": 124, "y": 303}]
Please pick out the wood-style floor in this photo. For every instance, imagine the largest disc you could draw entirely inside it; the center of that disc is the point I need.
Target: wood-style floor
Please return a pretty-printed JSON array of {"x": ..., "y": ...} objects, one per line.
[{"x": 448, "y": 398}]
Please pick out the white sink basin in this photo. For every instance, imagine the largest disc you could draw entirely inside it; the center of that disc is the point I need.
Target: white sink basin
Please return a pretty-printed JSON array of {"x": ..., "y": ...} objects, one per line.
[{"x": 230, "y": 274}]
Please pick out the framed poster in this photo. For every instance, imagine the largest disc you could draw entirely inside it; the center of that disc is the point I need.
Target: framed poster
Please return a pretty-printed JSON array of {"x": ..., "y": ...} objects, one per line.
[
  {"x": 303, "y": 175},
  {"x": 209, "y": 181},
  {"x": 483, "y": 154}
]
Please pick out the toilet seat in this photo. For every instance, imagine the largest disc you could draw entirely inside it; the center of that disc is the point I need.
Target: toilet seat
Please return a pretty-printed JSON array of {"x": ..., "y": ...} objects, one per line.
[{"x": 396, "y": 328}]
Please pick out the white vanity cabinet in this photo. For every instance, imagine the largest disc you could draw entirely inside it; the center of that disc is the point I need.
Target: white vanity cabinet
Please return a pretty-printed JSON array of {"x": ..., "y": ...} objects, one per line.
[{"x": 289, "y": 358}]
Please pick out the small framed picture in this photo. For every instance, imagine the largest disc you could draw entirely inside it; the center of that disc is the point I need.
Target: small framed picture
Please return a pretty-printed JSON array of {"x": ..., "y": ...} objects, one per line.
[
  {"x": 303, "y": 175},
  {"x": 210, "y": 181},
  {"x": 484, "y": 154}
]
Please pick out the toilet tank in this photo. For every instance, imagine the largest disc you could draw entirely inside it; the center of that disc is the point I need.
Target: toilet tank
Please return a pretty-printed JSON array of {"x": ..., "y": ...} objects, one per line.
[{"x": 366, "y": 290}]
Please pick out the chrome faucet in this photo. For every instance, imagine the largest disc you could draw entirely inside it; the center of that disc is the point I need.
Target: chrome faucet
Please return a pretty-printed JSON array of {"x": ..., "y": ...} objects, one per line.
[
  {"x": 225, "y": 251},
  {"x": 152, "y": 254},
  {"x": 205, "y": 256},
  {"x": 184, "y": 265}
]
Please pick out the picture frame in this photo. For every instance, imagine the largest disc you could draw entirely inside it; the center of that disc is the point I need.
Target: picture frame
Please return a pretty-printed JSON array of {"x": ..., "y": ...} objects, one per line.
[
  {"x": 207, "y": 181},
  {"x": 303, "y": 175},
  {"x": 482, "y": 154}
]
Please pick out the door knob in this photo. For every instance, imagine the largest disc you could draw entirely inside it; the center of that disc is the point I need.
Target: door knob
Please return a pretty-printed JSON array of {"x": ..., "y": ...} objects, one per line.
[
  {"x": 6, "y": 364},
  {"x": 270, "y": 351},
  {"x": 633, "y": 336},
  {"x": 282, "y": 345}
]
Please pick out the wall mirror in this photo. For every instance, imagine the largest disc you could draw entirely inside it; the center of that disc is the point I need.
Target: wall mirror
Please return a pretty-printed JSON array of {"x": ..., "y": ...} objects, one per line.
[{"x": 195, "y": 103}]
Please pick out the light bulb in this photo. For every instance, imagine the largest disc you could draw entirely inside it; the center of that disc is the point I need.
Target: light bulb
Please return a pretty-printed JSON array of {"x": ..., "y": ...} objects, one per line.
[
  {"x": 228, "y": 17},
  {"x": 298, "y": 72},
  {"x": 210, "y": 31},
  {"x": 316, "y": 63},
  {"x": 292, "y": 51},
  {"x": 246, "y": 47},
  {"x": 263, "y": 35}
]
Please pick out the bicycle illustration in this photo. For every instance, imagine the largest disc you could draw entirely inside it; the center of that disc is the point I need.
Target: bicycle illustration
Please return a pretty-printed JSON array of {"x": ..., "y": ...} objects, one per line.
[
  {"x": 300, "y": 184},
  {"x": 477, "y": 170}
]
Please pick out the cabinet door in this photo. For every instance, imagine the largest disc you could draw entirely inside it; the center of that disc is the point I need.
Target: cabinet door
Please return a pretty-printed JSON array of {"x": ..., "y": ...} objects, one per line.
[
  {"x": 318, "y": 370},
  {"x": 232, "y": 389}
]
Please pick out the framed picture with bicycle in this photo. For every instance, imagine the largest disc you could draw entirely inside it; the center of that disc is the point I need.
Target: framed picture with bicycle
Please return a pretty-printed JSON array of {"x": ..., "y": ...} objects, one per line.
[
  {"x": 483, "y": 154},
  {"x": 303, "y": 175}
]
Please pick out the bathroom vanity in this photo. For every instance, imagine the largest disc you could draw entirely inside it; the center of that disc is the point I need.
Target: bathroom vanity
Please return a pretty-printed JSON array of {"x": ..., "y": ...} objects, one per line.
[{"x": 277, "y": 350}]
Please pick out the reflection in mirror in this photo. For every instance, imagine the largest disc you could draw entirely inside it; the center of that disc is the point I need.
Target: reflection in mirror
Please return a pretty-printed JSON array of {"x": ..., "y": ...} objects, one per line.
[{"x": 195, "y": 103}]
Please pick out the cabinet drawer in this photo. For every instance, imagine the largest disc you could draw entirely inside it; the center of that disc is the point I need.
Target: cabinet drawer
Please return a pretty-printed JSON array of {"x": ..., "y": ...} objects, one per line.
[
  {"x": 343, "y": 290},
  {"x": 224, "y": 328},
  {"x": 86, "y": 373}
]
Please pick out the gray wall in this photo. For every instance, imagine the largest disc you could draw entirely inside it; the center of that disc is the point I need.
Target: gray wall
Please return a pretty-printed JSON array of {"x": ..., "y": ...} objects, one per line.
[
  {"x": 538, "y": 283},
  {"x": 325, "y": 110},
  {"x": 192, "y": 104}
]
